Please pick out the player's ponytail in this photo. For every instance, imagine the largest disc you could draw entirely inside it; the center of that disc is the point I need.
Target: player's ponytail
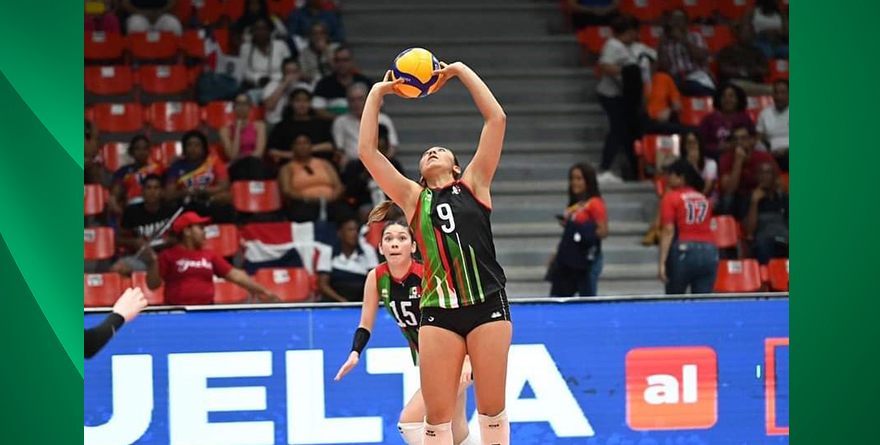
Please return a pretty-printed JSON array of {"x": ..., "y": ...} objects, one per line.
[{"x": 380, "y": 212}]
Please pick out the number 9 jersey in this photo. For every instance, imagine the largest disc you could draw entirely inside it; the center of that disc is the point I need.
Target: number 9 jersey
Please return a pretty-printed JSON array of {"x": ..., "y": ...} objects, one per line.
[{"x": 401, "y": 298}]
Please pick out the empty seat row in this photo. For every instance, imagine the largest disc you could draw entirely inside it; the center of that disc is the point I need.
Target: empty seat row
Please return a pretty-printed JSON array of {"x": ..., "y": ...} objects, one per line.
[
  {"x": 130, "y": 117},
  {"x": 749, "y": 276}
]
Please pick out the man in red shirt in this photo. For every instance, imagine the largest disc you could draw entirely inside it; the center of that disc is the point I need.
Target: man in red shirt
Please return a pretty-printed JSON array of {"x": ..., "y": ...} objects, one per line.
[
  {"x": 187, "y": 269},
  {"x": 739, "y": 168}
]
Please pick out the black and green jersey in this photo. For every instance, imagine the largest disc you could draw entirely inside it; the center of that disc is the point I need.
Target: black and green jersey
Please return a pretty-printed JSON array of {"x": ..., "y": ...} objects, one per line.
[
  {"x": 454, "y": 234},
  {"x": 401, "y": 298}
]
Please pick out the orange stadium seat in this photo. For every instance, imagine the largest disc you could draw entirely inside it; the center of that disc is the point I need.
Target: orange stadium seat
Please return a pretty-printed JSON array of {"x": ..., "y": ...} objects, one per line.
[
  {"x": 593, "y": 37},
  {"x": 777, "y": 270},
  {"x": 643, "y": 10},
  {"x": 738, "y": 276},
  {"x": 220, "y": 114},
  {"x": 193, "y": 43},
  {"x": 163, "y": 79},
  {"x": 778, "y": 70},
  {"x": 281, "y": 8},
  {"x": 174, "y": 117},
  {"x": 256, "y": 196},
  {"x": 209, "y": 11},
  {"x": 234, "y": 9},
  {"x": 227, "y": 292},
  {"x": 716, "y": 37},
  {"x": 115, "y": 155},
  {"x": 222, "y": 239},
  {"x": 650, "y": 35},
  {"x": 119, "y": 118},
  {"x": 725, "y": 229},
  {"x": 694, "y": 109},
  {"x": 99, "y": 243},
  {"x": 153, "y": 45},
  {"x": 109, "y": 80},
  {"x": 647, "y": 148},
  {"x": 95, "y": 199},
  {"x": 103, "y": 46},
  {"x": 695, "y": 8},
  {"x": 290, "y": 284},
  {"x": 154, "y": 297},
  {"x": 734, "y": 9},
  {"x": 167, "y": 152},
  {"x": 101, "y": 289},
  {"x": 756, "y": 104},
  {"x": 374, "y": 233}
]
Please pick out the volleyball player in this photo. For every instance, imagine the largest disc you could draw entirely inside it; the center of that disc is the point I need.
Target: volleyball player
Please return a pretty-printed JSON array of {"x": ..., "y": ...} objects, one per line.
[
  {"x": 464, "y": 305},
  {"x": 398, "y": 282}
]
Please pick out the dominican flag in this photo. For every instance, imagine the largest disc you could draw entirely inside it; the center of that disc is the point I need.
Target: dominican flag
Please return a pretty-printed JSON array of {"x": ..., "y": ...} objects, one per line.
[{"x": 283, "y": 244}]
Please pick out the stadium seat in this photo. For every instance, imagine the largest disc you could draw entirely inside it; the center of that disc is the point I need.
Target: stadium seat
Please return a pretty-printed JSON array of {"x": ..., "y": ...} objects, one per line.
[
  {"x": 234, "y": 10},
  {"x": 99, "y": 243},
  {"x": 290, "y": 284},
  {"x": 222, "y": 239},
  {"x": 154, "y": 297},
  {"x": 163, "y": 80},
  {"x": 108, "y": 81},
  {"x": 725, "y": 229},
  {"x": 756, "y": 104},
  {"x": 778, "y": 70},
  {"x": 374, "y": 233},
  {"x": 648, "y": 147},
  {"x": 167, "y": 152},
  {"x": 694, "y": 109},
  {"x": 174, "y": 117},
  {"x": 716, "y": 37},
  {"x": 153, "y": 45},
  {"x": 119, "y": 118},
  {"x": 227, "y": 292},
  {"x": 256, "y": 196},
  {"x": 695, "y": 9},
  {"x": 193, "y": 43},
  {"x": 650, "y": 35},
  {"x": 101, "y": 289},
  {"x": 593, "y": 37},
  {"x": 95, "y": 199},
  {"x": 101, "y": 46},
  {"x": 734, "y": 9},
  {"x": 220, "y": 114},
  {"x": 777, "y": 270},
  {"x": 209, "y": 12},
  {"x": 281, "y": 8},
  {"x": 221, "y": 35},
  {"x": 115, "y": 155},
  {"x": 183, "y": 11},
  {"x": 643, "y": 10},
  {"x": 738, "y": 276}
]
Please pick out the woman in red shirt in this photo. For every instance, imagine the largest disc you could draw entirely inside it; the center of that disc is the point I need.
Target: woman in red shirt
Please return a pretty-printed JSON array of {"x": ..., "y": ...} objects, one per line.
[
  {"x": 187, "y": 269},
  {"x": 688, "y": 255}
]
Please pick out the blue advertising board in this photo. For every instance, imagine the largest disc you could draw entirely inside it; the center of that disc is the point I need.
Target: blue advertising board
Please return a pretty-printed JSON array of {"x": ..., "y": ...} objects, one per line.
[{"x": 652, "y": 372}]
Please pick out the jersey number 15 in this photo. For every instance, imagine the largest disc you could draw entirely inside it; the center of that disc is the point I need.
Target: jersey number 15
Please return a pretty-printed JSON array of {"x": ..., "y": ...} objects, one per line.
[{"x": 404, "y": 316}]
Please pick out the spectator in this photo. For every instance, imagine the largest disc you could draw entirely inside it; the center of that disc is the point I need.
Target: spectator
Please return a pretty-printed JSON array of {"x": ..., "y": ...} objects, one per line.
[
  {"x": 730, "y": 111},
  {"x": 578, "y": 261},
  {"x": 187, "y": 269},
  {"x": 739, "y": 167},
  {"x": 346, "y": 127},
  {"x": 342, "y": 276},
  {"x": 151, "y": 15},
  {"x": 310, "y": 186},
  {"x": 255, "y": 9},
  {"x": 316, "y": 58},
  {"x": 330, "y": 92},
  {"x": 277, "y": 91},
  {"x": 200, "y": 180},
  {"x": 362, "y": 190},
  {"x": 663, "y": 105},
  {"x": 586, "y": 13},
  {"x": 615, "y": 56},
  {"x": 771, "y": 27},
  {"x": 94, "y": 171},
  {"x": 743, "y": 64},
  {"x": 688, "y": 254},
  {"x": 101, "y": 16},
  {"x": 773, "y": 124},
  {"x": 244, "y": 143},
  {"x": 299, "y": 118},
  {"x": 127, "y": 181},
  {"x": 684, "y": 55},
  {"x": 766, "y": 223},
  {"x": 301, "y": 20},
  {"x": 263, "y": 55},
  {"x": 141, "y": 222}
]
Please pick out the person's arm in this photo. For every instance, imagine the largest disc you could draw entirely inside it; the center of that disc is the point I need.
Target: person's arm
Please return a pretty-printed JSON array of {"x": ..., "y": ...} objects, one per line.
[
  {"x": 126, "y": 308},
  {"x": 272, "y": 99},
  {"x": 154, "y": 275},
  {"x": 284, "y": 181},
  {"x": 730, "y": 181},
  {"x": 751, "y": 222},
  {"x": 231, "y": 142},
  {"x": 261, "y": 139},
  {"x": 365, "y": 327},
  {"x": 327, "y": 290},
  {"x": 242, "y": 279},
  {"x": 338, "y": 188},
  {"x": 128, "y": 239},
  {"x": 666, "y": 235},
  {"x": 401, "y": 189}
]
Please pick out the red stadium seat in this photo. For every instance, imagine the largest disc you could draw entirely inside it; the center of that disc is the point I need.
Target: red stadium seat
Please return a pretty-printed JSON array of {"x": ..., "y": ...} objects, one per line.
[
  {"x": 119, "y": 118},
  {"x": 172, "y": 117},
  {"x": 643, "y": 10},
  {"x": 778, "y": 70},
  {"x": 734, "y": 9},
  {"x": 777, "y": 270},
  {"x": 290, "y": 284},
  {"x": 220, "y": 114},
  {"x": 221, "y": 35},
  {"x": 193, "y": 43},
  {"x": 103, "y": 46},
  {"x": 109, "y": 80},
  {"x": 234, "y": 9},
  {"x": 756, "y": 104},
  {"x": 99, "y": 243},
  {"x": 115, "y": 155},
  {"x": 281, "y": 8},
  {"x": 183, "y": 10},
  {"x": 695, "y": 8},
  {"x": 153, "y": 45},
  {"x": 154, "y": 297},
  {"x": 649, "y": 145},
  {"x": 101, "y": 289},
  {"x": 95, "y": 199},
  {"x": 209, "y": 11},
  {"x": 374, "y": 233},
  {"x": 650, "y": 35},
  {"x": 227, "y": 292},
  {"x": 167, "y": 152},
  {"x": 163, "y": 79},
  {"x": 256, "y": 196},
  {"x": 593, "y": 38},
  {"x": 716, "y": 37},
  {"x": 725, "y": 229},
  {"x": 222, "y": 239},
  {"x": 738, "y": 276},
  {"x": 694, "y": 109}
]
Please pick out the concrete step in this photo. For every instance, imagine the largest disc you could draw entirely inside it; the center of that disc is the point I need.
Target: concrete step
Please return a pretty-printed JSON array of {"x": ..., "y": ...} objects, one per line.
[
  {"x": 610, "y": 272},
  {"x": 559, "y": 162},
  {"x": 622, "y": 210},
  {"x": 507, "y": 91},
  {"x": 536, "y": 252},
  {"x": 533, "y": 289},
  {"x": 553, "y": 230},
  {"x": 428, "y": 109},
  {"x": 453, "y": 130},
  {"x": 527, "y": 189}
]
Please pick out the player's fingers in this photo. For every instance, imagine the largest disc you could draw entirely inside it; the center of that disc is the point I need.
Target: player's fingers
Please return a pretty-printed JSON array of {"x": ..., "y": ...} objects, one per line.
[{"x": 387, "y": 77}]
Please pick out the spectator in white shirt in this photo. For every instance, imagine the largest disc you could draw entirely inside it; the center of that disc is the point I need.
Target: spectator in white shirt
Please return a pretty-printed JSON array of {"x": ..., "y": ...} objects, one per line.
[
  {"x": 277, "y": 91},
  {"x": 263, "y": 56},
  {"x": 615, "y": 55},
  {"x": 345, "y": 127},
  {"x": 773, "y": 124},
  {"x": 341, "y": 275}
]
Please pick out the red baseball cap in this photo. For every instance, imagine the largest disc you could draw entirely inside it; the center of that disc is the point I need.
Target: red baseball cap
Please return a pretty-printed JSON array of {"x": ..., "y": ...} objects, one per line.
[{"x": 187, "y": 219}]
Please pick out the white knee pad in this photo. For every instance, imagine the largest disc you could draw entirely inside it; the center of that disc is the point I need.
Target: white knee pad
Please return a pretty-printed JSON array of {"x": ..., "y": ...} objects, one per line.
[
  {"x": 438, "y": 434},
  {"x": 495, "y": 430},
  {"x": 411, "y": 432}
]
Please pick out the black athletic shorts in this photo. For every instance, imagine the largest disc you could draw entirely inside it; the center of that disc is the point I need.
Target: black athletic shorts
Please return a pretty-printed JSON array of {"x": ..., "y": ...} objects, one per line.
[{"x": 465, "y": 319}]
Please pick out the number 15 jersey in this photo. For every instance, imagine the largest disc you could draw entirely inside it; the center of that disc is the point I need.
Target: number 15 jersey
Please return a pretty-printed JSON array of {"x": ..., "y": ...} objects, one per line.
[
  {"x": 454, "y": 235},
  {"x": 401, "y": 298}
]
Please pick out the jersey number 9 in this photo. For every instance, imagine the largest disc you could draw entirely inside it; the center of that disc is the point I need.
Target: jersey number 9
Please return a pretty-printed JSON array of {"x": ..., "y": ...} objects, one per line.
[{"x": 444, "y": 211}]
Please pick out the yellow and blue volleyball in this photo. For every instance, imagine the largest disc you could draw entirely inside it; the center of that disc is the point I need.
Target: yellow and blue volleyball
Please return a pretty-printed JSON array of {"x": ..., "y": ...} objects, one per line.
[{"x": 416, "y": 66}]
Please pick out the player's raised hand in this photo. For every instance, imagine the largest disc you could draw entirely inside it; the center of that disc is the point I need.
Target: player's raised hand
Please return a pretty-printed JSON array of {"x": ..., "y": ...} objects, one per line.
[
  {"x": 386, "y": 86},
  {"x": 349, "y": 364},
  {"x": 445, "y": 73},
  {"x": 130, "y": 303}
]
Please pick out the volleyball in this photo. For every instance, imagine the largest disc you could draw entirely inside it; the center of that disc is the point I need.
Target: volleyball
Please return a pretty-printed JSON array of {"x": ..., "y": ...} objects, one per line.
[{"x": 416, "y": 66}]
